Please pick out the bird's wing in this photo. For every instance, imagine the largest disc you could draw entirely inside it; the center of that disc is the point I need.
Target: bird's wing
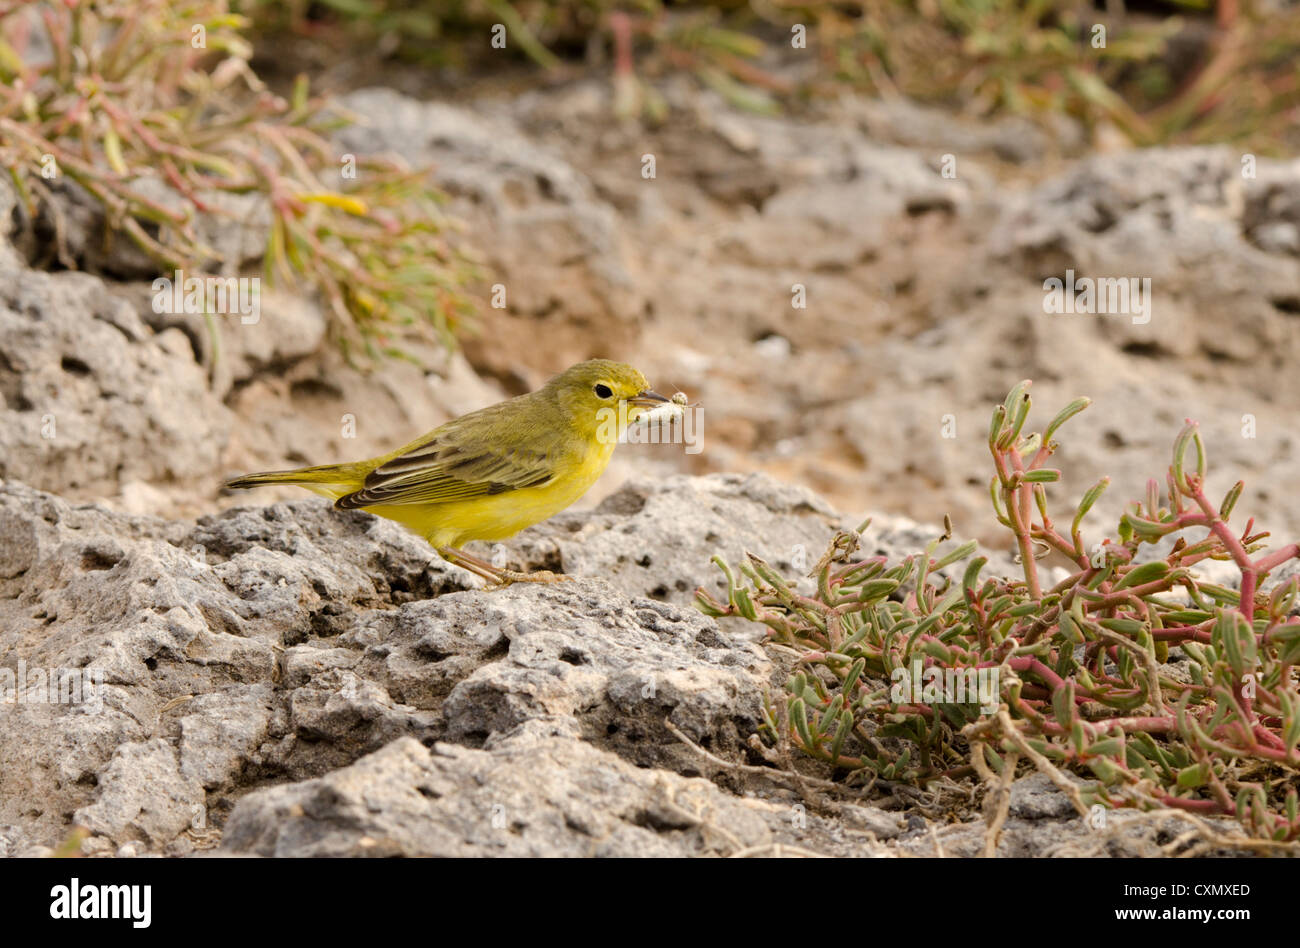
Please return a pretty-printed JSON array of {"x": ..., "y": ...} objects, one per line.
[{"x": 459, "y": 461}]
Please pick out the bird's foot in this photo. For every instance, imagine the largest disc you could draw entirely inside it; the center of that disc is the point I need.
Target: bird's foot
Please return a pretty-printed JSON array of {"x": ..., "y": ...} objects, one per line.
[
  {"x": 496, "y": 576},
  {"x": 509, "y": 576}
]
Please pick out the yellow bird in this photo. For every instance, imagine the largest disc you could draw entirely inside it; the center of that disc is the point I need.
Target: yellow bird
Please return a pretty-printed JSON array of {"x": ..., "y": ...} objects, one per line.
[{"x": 491, "y": 473}]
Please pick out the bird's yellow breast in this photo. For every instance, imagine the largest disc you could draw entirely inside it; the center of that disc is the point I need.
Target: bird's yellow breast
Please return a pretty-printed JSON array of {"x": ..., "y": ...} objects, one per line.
[{"x": 498, "y": 516}]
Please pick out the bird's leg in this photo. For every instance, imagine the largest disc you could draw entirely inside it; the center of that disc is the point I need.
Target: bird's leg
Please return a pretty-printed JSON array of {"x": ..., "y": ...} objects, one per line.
[
  {"x": 471, "y": 563},
  {"x": 495, "y": 574},
  {"x": 509, "y": 576}
]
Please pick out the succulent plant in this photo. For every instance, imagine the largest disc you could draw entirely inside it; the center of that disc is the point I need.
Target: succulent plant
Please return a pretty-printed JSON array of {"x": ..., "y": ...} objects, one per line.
[
  {"x": 1084, "y": 669},
  {"x": 130, "y": 100}
]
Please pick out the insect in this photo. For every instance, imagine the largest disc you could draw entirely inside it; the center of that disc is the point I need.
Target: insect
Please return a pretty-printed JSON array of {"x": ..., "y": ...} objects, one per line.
[{"x": 667, "y": 413}]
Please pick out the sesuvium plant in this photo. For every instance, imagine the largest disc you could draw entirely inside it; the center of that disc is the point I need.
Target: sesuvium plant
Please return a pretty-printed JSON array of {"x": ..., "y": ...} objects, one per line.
[
  {"x": 152, "y": 109},
  {"x": 1082, "y": 671}
]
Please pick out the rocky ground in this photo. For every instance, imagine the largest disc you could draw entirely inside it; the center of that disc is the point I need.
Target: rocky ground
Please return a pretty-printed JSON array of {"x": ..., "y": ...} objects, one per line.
[
  {"x": 289, "y": 681},
  {"x": 283, "y": 679}
]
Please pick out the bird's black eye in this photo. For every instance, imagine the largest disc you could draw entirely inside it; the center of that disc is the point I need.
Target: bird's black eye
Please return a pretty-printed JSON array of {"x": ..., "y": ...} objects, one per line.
[{"x": 603, "y": 391}]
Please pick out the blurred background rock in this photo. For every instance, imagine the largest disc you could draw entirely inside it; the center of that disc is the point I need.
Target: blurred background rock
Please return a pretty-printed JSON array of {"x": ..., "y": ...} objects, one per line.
[{"x": 918, "y": 169}]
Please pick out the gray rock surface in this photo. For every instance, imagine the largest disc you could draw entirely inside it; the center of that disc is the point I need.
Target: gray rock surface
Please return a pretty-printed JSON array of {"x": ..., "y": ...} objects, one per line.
[
  {"x": 924, "y": 297},
  {"x": 276, "y": 644},
  {"x": 544, "y": 232},
  {"x": 656, "y": 537},
  {"x": 534, "y": 793},
  {"x": 88, "y": 390},
  {"x": 143, "y": 795},
  {"x": 102, "y": 398},
  {"x": 294, "y": 680}
]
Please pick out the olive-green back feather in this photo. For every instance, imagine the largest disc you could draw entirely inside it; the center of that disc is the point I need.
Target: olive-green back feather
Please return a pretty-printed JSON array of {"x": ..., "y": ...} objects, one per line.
[{"x": 503, "y": 447}]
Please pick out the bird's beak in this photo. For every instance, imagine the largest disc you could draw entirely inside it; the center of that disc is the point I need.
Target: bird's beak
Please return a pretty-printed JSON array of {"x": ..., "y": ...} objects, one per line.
[{"x": 647, "y": 399}]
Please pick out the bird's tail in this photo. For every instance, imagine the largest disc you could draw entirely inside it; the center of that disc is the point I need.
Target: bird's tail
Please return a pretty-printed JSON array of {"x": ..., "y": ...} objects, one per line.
[{"x": 330, "y": 480}]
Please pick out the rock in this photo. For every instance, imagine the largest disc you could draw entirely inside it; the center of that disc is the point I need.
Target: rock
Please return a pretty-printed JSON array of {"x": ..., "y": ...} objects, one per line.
[
  {"x": 530, "y": 794},
  {"x": 301, "y": 681},
  {"x": 183, "y": 623},
  {"x": 264, "y": 645},
  {"x": 899, "y": 422},
  {"x": 1012, "y": 138},
  {"x": 95, "y": 845},
  {"x": 287, "y": 329},
  {"x": 236, "y": 232},
  {"x": 1122, "y": 834},
  {"x": 620, "y": 667},
  {"x": 8, "y": 217},
  {"x": 879, "y": 823},
  {"x": 144, "y": 796},
  {"x": 220, "y": 731},
  {"x": 658, "y": 537},
  {"x": 815, "y": 222},
  {"x": 88, "y": 392},
  {"x": 1271, "y": 217},
  {"x": 1035, "y": 797},
  {"x": 552, "y": 244},
  {"x": 655, "y": 538}
]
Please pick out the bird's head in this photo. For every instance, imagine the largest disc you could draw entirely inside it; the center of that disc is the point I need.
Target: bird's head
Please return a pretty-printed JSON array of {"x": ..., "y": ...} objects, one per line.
[{"x": 602, "y": 397}]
